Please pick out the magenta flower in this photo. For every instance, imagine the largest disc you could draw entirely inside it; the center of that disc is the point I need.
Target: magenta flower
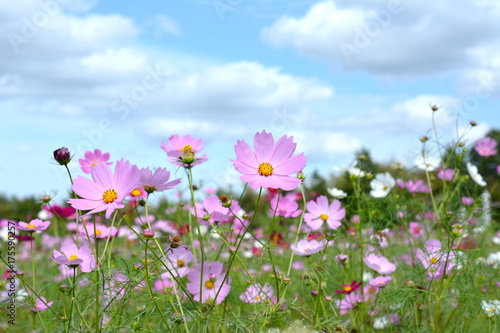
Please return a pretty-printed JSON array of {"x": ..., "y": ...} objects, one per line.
[
  {"x": 486, "y": 147},
  {"x": 320, "y": 211},
  {"x": 284, "y": 207},
  {"x": 213, "y": 287},
  {"x": 380, "y": 281},
  {"x": 72, "y": 256},
  {"x": 34, "y": 225},
  {"x": 379, "y": 264},
  {"x": 349, "y": 288},
  {"x": 107, "y": 190},
  {"x": 92, "y": 159},
  {"x": 212, "y": 212},
  {"x": 40, "y": 304},
  {"x": 158, "y": 181},
  {"x": 271, "y": 164},
  {"x": 183, "y": 150},
  {"x": 257, "y": 293}
]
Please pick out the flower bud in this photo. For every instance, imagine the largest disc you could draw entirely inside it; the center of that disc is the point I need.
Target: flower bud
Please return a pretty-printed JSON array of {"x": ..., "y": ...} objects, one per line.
[
  {"x": 434, "y": 108},
  {"x": 473, "y": 123},
  {"x": 148, "y": 233},
  {"x": 425, "y": 138},
  {"x": 62, "y": 156}
]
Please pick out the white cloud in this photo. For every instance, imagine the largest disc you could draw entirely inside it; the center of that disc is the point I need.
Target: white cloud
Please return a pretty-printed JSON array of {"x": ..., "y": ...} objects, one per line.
[
  {"x": 168, "y": 25},
  {"x": 396, "y": 39}
]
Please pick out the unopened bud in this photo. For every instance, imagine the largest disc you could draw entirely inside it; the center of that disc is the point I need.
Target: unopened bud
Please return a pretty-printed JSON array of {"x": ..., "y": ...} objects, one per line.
[
  {"x": 62, "y": 156},
  {"x": 148, "y": 233}
]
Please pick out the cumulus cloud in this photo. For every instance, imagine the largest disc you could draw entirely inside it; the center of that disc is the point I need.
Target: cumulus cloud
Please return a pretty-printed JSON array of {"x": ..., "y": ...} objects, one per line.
[{"x": 395, "y": 39}]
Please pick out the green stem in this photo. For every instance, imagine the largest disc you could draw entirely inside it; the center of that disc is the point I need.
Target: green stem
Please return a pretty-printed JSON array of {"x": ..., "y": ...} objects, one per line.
[{"x": 150, "y": 290}]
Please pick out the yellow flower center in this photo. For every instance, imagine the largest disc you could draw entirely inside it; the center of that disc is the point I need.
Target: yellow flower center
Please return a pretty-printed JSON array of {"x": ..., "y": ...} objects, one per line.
[
  {"x": 31, "y": 226},
  {"x": 209, "y": 284},
  {"x": 258, "y": 298},
  {"x": 434, "y": 260},
  {"x": 136, "y": 192},
  {"x": 324, "y": 217},
  {"x": 109, "y": 196},
  {"x": 265, "y": 169},
  {"x": 347, "y": 288},
  {"x": 181, "y": 263},
  {"x": 73, "y": 257},
  {"x": 186, "y": 148},
  {"x": 98, "y": 232}
]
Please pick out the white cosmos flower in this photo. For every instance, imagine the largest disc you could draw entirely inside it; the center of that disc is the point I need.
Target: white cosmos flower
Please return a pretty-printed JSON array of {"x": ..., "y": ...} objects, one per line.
[
  {"x": 473, "y": 173},
  {"x": 491, "y": 308},
  {"x": 354, "y": 171},
  {"x": 427, "y": 162},
  {"x": 382, "y": 185},
  {"x": 337, "y": 193}
]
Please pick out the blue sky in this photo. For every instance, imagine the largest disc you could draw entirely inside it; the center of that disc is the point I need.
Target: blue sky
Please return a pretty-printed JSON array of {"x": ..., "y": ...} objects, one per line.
[{"x": 337, "y": 75}]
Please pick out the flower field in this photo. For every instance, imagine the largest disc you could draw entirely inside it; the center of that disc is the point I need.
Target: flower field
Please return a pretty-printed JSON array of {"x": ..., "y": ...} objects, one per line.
[{"x": 385, "y": 248}]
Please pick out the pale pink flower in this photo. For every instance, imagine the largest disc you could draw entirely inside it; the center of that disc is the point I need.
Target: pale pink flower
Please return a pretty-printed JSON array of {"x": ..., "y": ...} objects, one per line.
[
  {"x": 107, "y": 190},
  {"x": 307, "y": 248},
  {"x": 257, "y": 293},
  {"x": 320, "y": 211},
  {"x": 92, "y": 159},
  {"x": 379, "y": 264},
  {"x": 486, "y": 147},
  {"x": 33, "y": 225},
  {"x": 213, "y": 286},
  {"x": 271, "y": 164}
]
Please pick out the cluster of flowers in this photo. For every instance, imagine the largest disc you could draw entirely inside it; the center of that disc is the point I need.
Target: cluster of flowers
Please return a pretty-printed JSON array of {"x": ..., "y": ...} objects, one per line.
[{"x": 269, "y": 165}]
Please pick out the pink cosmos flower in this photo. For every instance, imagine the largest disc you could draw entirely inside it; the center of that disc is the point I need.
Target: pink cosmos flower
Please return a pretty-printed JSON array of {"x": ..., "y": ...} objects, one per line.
[
  {"x": 158, "y": 181},
  {"x": 349, "y": 302},
  {"x": 380, "y": 281},
  {"x": 486, "y": 147},
  {"x": 271, "y": 164},
  {"x": 165, "y": 284},
  {"x": 34, "y": 225},
  {"x": 307, "y": 248},
  {"x": 320, "y": 211},
  {"x": 379, "y": 264},
  {"x": 177, "y": 261},
  {"x": 437, "y": 261},
  {"x": 416, "y": 229},
  {"x": 92, "y": 159},
  {"x": 101, "y": 231},
  {"x": 212, "y": 211},
  {"x": 213, "y": 287},
  {"x": 183, "y": 150},
  {"x": 257, "y": 293},
  {"x": 446, "y": 174},
  {"x": 107, "y": 190},
  {"x": 467, "y": 201},
  {"x": 72, "y": 256},
  {"x": 284, "y": 207},
  {"x": 41, "y": 304}
]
